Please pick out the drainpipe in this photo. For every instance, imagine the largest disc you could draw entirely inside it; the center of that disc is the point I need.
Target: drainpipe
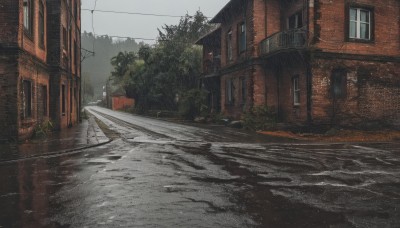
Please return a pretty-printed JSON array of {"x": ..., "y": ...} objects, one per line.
[
  {"x": 70, "y": 82},
  {"x": 308, "y": 70}
]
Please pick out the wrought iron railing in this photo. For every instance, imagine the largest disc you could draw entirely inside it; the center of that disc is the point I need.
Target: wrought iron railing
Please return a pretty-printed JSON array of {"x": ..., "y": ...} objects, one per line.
[{"x": 291, "y": 39}]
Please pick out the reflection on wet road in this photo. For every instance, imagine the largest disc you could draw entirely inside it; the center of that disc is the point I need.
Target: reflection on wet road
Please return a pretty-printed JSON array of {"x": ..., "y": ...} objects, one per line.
[{"x": 160, "y": 174}]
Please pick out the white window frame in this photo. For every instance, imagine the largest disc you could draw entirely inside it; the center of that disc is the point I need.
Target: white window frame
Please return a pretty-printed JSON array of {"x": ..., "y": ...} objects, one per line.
[
  {"x": 296, "y": 91},
  {"x": 359, "y": 22}
]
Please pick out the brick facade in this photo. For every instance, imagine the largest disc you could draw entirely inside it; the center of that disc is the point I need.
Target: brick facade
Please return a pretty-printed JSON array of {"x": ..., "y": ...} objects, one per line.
[
  {"x": 28, "y": 69},
  {"x": 306, "y": 44}
]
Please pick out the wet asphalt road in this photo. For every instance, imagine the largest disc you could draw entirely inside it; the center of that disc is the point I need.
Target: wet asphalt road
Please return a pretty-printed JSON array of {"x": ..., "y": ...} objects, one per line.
[{"x": 161, "y": 174}]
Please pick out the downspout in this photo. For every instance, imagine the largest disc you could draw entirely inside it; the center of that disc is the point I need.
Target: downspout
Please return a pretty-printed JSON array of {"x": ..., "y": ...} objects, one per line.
[
  {"x": 309, "y": 72},
  {"x": 70, "y": 65},
  {"x": 264, "y": 65}
]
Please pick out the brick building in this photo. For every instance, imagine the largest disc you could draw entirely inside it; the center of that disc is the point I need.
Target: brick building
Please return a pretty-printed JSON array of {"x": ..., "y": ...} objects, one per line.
[
  {"x": 36, "y": 81},
  {"x": 312, "y": 61}
]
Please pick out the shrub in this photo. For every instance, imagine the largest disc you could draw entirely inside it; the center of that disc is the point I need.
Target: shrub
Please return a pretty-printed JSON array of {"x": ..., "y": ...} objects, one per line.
[
  {"x": 259, "y": 118},
  {"x": 193, "y": 103},
  {"x": 43, "y": 129}
]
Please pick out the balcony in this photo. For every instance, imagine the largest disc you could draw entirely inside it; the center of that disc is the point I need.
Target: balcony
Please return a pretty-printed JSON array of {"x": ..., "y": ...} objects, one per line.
[
  {"x": 291, "y": 39},
  {"x": 211, "y": 67}
]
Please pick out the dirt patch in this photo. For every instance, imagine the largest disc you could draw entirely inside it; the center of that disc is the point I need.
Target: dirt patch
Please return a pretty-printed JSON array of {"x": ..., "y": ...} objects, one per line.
[{"x": 341, "y": 136}]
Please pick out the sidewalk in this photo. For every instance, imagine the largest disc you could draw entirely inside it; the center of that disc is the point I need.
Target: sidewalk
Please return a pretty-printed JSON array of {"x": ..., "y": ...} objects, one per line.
[{"x": 85, "y": 135}]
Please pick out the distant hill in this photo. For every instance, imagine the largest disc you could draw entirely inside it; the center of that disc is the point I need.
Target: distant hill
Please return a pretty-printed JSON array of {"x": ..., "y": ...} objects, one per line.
[{"x": 98, "y": 67}]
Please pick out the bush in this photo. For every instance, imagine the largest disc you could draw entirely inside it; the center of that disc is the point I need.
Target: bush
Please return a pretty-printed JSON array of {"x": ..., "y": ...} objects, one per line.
[
  {"x": 193, "y": 103},
  {"x": 259, "y": 118},
  {"x": 42, "y": 130}
]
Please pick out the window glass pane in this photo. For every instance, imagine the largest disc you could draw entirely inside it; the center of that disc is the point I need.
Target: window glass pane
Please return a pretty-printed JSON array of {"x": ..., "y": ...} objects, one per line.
[
  {"x": 364, "y": 31},
  {"x": 364, "y": 16},
  {"x": 353, "y": 29},
  {"x": 353, "y": 14}
]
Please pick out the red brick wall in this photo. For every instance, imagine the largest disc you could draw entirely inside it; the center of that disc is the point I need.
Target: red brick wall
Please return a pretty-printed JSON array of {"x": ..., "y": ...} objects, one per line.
[
  {"x": 8, "y": 95},
  {"x": 332, "y": 21},
  {"x": 122, "y": 103},
  {"x": 234, "y": 18},
  {"x": 373, "y": 92},
  {"x": 237, "y": 107}
]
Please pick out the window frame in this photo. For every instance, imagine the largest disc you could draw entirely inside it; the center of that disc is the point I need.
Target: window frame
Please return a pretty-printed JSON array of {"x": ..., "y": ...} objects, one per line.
[
  {"x": 27, "y": 97},
  {"x": 242, "y": 45},
  {"x": 298, "y": 17},
  {"x": 229, "y": 90},
  {"x": 229, "y": 46},
  {"x": 336, "y": 73},
  {"x": 63, "y": 100},
  {"x": 243, "y": 90},
  {"x": 42, "y": 24},
  {"x": 296, "y": 90},
  {"x": 65, "y": 39},
  {"x": 28, "y": 20},
  {"x": 359, "y": 7},
  {"x": 45, "y": 100}
]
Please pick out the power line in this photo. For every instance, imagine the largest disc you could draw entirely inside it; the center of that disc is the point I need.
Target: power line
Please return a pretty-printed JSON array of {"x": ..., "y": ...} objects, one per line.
[
  {"x": 126, "y": 37},
  {"x": 135, "y": 13}
]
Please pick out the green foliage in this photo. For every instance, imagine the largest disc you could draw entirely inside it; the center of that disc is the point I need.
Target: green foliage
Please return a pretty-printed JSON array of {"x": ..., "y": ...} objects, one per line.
[
  {"x": 193, "y": 103},
  {"x": 165, "y": 70},
  {"x": 259, "y": 118},
  {"x": 43, "y": 129},
  {"x": 98, "y": 67}
]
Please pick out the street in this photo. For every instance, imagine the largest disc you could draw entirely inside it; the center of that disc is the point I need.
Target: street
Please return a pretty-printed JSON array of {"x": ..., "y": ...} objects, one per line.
[{"x": 162, "y": 174}]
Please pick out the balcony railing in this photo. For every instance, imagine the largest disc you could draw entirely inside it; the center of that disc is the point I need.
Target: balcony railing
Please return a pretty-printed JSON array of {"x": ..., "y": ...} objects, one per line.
[
  {"x": 291, "y": 39},
  {"x": 211, "y": 67}
]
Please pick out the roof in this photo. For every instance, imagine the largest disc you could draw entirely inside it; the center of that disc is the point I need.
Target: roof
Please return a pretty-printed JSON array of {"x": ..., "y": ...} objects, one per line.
[
  {"x": 219, "y": 17},
  {"x": 213, "y": 35}
]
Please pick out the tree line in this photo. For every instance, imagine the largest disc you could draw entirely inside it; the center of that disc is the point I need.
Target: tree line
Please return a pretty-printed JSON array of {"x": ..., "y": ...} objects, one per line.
[{"x": 164, "y": 76}]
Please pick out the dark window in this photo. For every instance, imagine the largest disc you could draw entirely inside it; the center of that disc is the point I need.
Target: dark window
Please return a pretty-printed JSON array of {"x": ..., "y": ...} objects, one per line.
[
  {"x": 242, "y": 37},
  {"x": 243, "y": 86},
  {"x": 229, "y": 46},
  {"x": 63, "y": 101},
  {"x": 76, "y": 57},
  {"x": 44, "y": 100},
  {"x": 76, "y": 10},
  {"x": 360, "y": 23},
  {"x": 295, "y": 21},
  {"x": 41, "y": 24},
  {"x": 339, "y": 84},
  {"x": 28, "y": 17},
  {"x": 229, "y": 91},
  {"x": 65, "y": 38},
  {"x": 296, "y": 90},
  {"x": 27, "y": 99},
  {"x": 70, "y": 99}
]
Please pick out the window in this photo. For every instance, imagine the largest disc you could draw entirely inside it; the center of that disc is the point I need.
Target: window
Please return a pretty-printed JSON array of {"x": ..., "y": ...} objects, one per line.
[
  {"x": 229, "y": 91},
  {"x": 70, "y": 99},
  {"x": 242, "y": 37},
  {"x": 296, "y": 90},
  {"x": 28, "y": 17},
  {"x": 65, "y": 38},
  {"x": 41, "y": 24},
  {"x": 27, "y": 99},
  {"x": 44, "y": 100},
  {"x": 229, "y": 46},
  {"x": 360, "y": 23},
  {"x": 243, "y": 90},
  {"x": 339, "y": 84},
  {"x": 76, "y": 10},
  {"x": 75, "y": 57},
  {"x": 63, "y": 101},
  {"x": 295, "y": 21}
]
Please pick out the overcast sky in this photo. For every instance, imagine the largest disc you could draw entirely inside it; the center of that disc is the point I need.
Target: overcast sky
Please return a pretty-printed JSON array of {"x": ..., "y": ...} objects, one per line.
[{"x": 142, "y": 26}]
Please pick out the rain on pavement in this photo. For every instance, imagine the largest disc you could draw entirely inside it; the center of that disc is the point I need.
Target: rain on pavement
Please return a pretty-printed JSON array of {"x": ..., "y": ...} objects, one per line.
[{"x": 163, "y": 174}]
